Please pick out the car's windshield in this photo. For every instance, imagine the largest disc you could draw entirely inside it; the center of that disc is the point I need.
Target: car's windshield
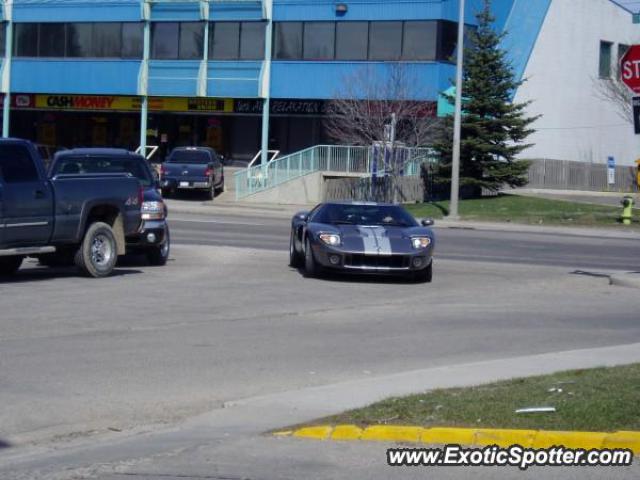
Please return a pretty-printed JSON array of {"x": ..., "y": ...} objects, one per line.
[
  {"x": 74, "y": 165},
  {"x": 189, "y": 156},
  {"x": 387, "y": 215}
]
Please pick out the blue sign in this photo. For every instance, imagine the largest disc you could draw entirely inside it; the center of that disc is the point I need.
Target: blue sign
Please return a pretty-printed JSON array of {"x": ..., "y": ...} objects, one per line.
[{"x": 611, "y": 162}]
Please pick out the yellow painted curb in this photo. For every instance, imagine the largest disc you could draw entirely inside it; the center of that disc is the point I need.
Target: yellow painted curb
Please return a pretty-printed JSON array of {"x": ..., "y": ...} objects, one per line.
[{"x": 469, "y": 436}]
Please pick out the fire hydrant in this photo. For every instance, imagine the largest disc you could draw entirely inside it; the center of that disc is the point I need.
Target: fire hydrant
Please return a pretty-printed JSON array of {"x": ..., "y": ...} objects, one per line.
[{"x": 627, "y": 210}]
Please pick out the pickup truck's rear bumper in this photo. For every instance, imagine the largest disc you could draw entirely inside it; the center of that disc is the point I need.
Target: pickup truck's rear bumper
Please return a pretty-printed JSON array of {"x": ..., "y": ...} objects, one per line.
[
  {"x": 153, "y": 233},
  {"x": 186, "y": 183}
]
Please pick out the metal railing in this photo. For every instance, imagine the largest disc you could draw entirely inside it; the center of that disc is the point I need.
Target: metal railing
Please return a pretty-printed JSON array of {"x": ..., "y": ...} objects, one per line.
[{"x": 322, "y": 158}]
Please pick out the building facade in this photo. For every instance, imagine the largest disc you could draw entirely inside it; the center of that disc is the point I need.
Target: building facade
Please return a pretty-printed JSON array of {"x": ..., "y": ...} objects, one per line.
[{"x": 240, "y": 75}]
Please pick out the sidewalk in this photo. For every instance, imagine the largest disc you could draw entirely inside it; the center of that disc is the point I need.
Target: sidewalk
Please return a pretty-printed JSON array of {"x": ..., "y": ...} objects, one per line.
[{"x": 610, "y": 199}]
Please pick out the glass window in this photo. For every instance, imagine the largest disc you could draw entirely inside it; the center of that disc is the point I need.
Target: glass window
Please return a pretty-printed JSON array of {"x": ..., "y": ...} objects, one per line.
[
  {"x": 51, "y": 40},
  {"x": 319, "y": 40},
  {"x": 191, "y": 41},
  {"x": 16, "y": 165},
  {"x": 224, "y": 41},
  {"x": 352, "y": 40},
  {"x": 385, "y": 40},
  {"x": 3, "y": 34},
  {"x": 132, "y": 40},
  {"x": 288, "y": 41},
  {"x": 164, "y": 40},
  {"x": 26, "y": 40},
  {"x": 79, "y": 40},
  {"x": 605, "y": 59},
  {"x": 420, "y": 40},
  {"x": 448, "y": 41},
  {"x": 252, "y": 40},
  {"x": 107, "y": 38}
]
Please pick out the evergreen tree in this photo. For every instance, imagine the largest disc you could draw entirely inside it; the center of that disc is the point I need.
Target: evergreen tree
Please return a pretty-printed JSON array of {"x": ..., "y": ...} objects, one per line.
[{"x": 493, "y": 127}]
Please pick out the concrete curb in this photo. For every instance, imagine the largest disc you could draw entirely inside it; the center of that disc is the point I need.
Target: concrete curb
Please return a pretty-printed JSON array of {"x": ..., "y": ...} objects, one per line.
[
  {"x": 481, "y": 437},
  {"x": 629, "y": 280}
]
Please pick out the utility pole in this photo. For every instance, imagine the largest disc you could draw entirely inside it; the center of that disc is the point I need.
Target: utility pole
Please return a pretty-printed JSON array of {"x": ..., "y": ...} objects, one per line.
[{"x": 457, "y": 122}]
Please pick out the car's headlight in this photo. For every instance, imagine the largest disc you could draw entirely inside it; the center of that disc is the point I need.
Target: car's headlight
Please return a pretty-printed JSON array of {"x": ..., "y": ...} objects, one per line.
[
  {"x": 420, "y": 242},
  {"x": 152, "y": 210},
  {"x": 330, "y": 239}
]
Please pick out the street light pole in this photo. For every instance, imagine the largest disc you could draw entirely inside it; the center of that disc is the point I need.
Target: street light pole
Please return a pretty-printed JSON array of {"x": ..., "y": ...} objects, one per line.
[{"x": 457, "y": 122}]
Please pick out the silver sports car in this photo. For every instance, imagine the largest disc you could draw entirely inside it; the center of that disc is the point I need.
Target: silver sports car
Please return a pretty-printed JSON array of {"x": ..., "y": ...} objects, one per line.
[{"x": 362, "y": 238}]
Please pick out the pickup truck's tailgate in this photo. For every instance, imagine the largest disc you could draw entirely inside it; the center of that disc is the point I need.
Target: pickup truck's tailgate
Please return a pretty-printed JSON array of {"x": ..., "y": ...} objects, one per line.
[
  {"x": 79, "y": 195},
  {"x": 186, "y": 172}
]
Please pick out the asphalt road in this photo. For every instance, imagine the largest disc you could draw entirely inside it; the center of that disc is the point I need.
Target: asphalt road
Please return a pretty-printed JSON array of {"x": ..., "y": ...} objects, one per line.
[
  {"x": 89, "y": 362},
  {"x": 585, "y": 253}
]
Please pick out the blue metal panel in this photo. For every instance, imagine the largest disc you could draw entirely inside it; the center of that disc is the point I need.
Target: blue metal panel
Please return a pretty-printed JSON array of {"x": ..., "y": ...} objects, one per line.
[
  {"x": 236, "y": 11},
  {"x": 523, "y": 27},
  {"x": 326, "y": 80},
  {"x": 173, "y": 77},
  {"x": 175, "y": 11},
  {"x": 75, "y": 76},
  {"x": 284, "y": 10},
  {"x": 76, "y": 11},
  {"x": 234, "y": 79}
]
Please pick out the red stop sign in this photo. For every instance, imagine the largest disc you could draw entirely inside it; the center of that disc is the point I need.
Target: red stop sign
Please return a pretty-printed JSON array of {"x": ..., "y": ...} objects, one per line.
[{"x": 630, "y": 68}]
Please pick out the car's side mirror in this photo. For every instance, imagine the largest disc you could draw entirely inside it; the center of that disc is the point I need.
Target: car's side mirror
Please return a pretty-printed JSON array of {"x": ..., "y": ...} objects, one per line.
[
  {"x": 303, "y": 216},
  {"x": 427, "y": 222}
]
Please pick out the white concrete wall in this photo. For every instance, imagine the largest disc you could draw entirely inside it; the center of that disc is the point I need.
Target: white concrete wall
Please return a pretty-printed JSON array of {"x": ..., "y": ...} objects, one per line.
[
  {"x": 299, "y": 191},
  {"x": 562, "y": 73}
]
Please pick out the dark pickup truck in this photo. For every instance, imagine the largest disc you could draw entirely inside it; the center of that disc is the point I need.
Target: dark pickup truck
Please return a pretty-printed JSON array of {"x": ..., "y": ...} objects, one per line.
[
  {"x": 85, "y": 217},
  {"x": 193, "y": 168}
]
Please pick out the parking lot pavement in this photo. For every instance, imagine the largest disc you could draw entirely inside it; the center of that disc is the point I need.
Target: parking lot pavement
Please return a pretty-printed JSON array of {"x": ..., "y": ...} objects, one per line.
[{"x": 151, "y": 347}]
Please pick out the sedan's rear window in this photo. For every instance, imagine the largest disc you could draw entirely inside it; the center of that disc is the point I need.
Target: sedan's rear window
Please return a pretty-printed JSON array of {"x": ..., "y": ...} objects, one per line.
[
  {"x": 75, "y": 165},
  {"x": 190, "y": 156}
]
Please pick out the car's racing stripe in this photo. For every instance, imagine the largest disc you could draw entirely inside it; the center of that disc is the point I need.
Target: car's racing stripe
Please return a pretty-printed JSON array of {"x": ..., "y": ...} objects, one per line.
[
  {"x": 384, "y": 243},
  {"x": 369, "y": 240}
]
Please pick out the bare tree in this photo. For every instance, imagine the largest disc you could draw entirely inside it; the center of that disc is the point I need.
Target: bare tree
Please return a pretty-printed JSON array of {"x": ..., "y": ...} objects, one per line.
[
  {"x": 612, "y": 90},
  {"x": 376, "y": 108}
]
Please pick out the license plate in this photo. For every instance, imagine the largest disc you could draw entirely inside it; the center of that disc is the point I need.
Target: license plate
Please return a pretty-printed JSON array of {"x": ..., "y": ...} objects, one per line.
[{"x": 184, "y": 184}]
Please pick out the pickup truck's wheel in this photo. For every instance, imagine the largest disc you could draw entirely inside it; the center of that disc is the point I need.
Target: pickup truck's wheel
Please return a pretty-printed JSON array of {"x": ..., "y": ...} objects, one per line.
[
  {"x": 158, "y": 256},
  {"x": 98, "y": 254},
  {"x": 211, "y": 193},
  {"x": 9, "y": 265},
  {"x": 220, "y": 188}
]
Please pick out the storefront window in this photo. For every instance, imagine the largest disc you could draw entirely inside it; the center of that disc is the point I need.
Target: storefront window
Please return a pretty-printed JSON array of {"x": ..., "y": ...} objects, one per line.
[
  {"x": 319, "y": 40},
  {"x": 191, "y": 41},
  {"x": 288, "y": 41},
  {"x": 79, "y": 40},
  {"x": 164, "y": 40},
  {"x": 51, "y": 40},
  {"x": 352, "y": 40},
  {"x": 420, "y": 40},
  {"x": 252, "y": 40},
  {"x": 107, "y": 39},
  {"x": 132, "y": 40},
  {"x": 224, "y": 41},
  {"x": 385, "y": 40}
]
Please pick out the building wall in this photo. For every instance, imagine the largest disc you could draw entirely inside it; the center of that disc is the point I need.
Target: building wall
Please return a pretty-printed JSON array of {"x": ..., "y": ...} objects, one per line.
[{"x": 562, "y": 76}]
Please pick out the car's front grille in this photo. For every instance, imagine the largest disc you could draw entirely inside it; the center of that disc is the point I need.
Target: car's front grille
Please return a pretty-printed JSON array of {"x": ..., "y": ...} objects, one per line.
[{"x": 377, "y": 261}]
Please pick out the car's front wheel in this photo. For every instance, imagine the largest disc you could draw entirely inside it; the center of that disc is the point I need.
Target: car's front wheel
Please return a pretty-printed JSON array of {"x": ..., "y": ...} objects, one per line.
[
  {"x": 311, "y": 268},
  {"x": 294, "y": 255},
  {"x": 424, "y": 275},
  {"x": 98, "y": 253},
  {"x": 158, "y": 256},
  {"x": 9, "y": 265}
]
